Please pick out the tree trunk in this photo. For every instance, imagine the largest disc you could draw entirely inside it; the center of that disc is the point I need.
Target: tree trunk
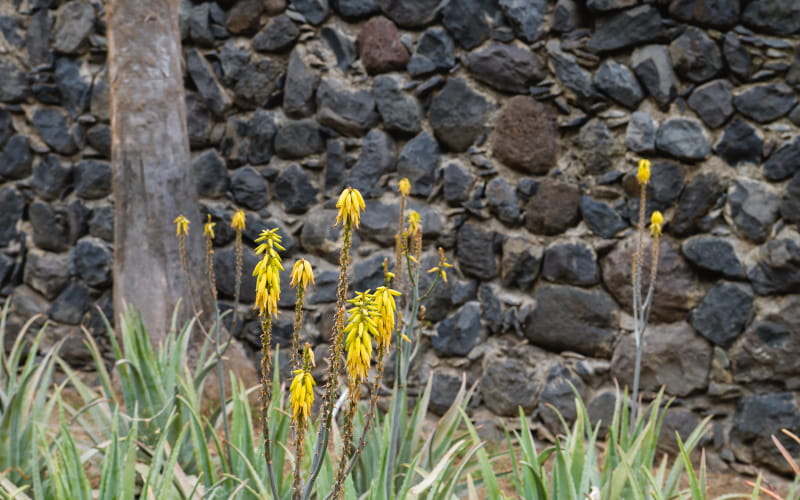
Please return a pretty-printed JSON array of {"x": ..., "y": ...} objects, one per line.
[{"x": 152, "y": 176}]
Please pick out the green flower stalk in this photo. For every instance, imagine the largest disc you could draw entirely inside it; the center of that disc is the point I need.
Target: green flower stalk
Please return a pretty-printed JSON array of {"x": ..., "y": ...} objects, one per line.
[
  {"x": 238, "y": 225},
  {"x": 301, "y": 398}
]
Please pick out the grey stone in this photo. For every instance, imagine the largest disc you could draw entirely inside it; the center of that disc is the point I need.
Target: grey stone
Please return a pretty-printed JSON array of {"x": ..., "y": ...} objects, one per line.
[
  {"x": 640, "y": 135},
  {"x": 457, "y": 115},
  {"x": 256, "y": 82},
  {"x": 567, "y": 16},
  {"x": 457, "y": 183},
  {"x": 466, "y": 20},
  {"x": 596, "y": 146},
  {"x": 199, "y": 26},
  {"x": 458, "y": 334},
  {"x": 526, "y": 17},
  {"x": 435, "y": 51},
  {"x": 316, "y": 11},
  {"x": 491, "y": 310},
  {"x": 6, "y": 126},
  {"x": 601, "y": 217},
  {"x": 759, "y": 416},
  {"x": 713, "y": 102},
  {"x": 249, "y": 188},
  {"x": 335, "y": 164},
  {"x": 571, "y": 264},
  {"x": 506, "y": 67},
  {"x": 572, "y": 319},
  {"x": 558, "y": 395},
  {"x": 695, "y": 55},
  {"x": 294, "y": 189},
  {"x": 520, "y": 264},
  {"x": 737, "y": 57},
  {"x": 401, "y": 113},
  {"x": 553, "y": 209},
  {"x": 410, "y": 13},
  {"x": 526, "y": 135},
  {"x": 225, "y": 265},
  {"x": 53, "y": 128},
  {"x": 49, "y": 177},
  {"x": 784, "y": 162},
  {"x": 298, "y": 139},
  {"x": 350, "y": 112},
  {"x": 74, "y": 24},
  {"x": 47, "y": 273},
  {"x": 444, "y": 388},
  {"x": 14, "y": 85},
  {"x": 418, "y": 161},
  {"x": 198, "y": 121},
  {"x": 99, "y": 104},
  {"x": 376, "y": 158},
  {"x": 502, "y": 200},
  {"x": 619, "y": 83},
  {"x": 37, "y": 37},
  {"x": 715, "y": 254},
  {"x": 70, "y": 304},
  {"x": 740, "y": 143},
  {"x": 380, "y": 221},
  {"x": 775, "y": 17},
  {"x": 101, "y": 223},
  {"x": 672, "y": 356},
  {"x": 11, "y": 208},
  {"x": 626, "y": 28},
  {"x": 753, "y": 208},
  {"x": 476, "y": 252},
  {"x": 696, "y": 200},
  {"x": 301, "y": 84},
  {"x": 261, "y": 132},
  {"x": 715, "y": 13},
  {"x": 278, "y": 36},
  {"x": 724, "y": 313},
  {"x": 653, "y": 67},
  {"x": 16, "y": 158},
  {"x": 777, "y": 267},
  {"x": 342, "y": 46},
  {"x": 572, "y": 75},
  {"x": 353, "y": 10},
  {"x": 765, "y": 103},
  {"x": 513, "y": 380},
  {"x": 55, "y": 228},
  {"x": 92, "y": 179},
  {"x": 74, "y": 84},
  {"x": 210, "y": 175},
  {"x": 683, "y": 139},
  {"x": 790, "y": 204},
  {"x": 604, "y": 5}
]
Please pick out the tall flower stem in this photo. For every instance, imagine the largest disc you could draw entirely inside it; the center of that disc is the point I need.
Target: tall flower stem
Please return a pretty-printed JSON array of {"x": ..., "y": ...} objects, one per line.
[{"x": 266, "y": 399}]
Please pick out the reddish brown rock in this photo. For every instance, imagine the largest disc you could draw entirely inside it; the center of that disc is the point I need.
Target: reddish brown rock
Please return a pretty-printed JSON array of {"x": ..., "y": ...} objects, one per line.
[
  {"x": 677, "y": 290},
  {"x": 526, "y": 135},
  {"x": 274, "y": 7},
  {"x": 244, "y": 17},
  {"x": 380, "y": 47},
  {"x": 554, "y": 208}
]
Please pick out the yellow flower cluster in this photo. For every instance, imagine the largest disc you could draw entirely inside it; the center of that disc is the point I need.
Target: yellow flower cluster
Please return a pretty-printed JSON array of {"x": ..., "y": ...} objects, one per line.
[
  {"x": 237, "y": 223},
  {"x": 404, "y": 186},
  {"x": 385, "y": 319},
  {"x": 302, "y": 274},
  {"x": 267, "y": 272},
  {"x": 181, "y": 225},
  {"x": 301, "y": 395},
  {"x": 656, "y": 223},
  {"x": 643, "y": 174},
  {"x": 414, "y": 222},
  {"x": 443, "y": 265},
  {"x": 208, "y": 228},
  {"x": 350, "y": 205},
  {"x": 361, "y": 327}
]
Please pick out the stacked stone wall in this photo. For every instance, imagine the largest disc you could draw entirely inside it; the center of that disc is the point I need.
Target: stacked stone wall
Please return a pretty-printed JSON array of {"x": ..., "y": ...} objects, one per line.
[{"x": 519, "y": 123}]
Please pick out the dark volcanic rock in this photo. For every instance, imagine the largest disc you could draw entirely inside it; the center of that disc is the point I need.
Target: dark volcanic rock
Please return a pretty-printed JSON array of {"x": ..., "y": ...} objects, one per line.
[
  {"x": 626, "y": 28},
  {"x": 74, "y": 23},
  {"x": 457, "y": 183},
  {"x": 713, "y": 102},
  {"x": 513, "y": 380},
  {"x": 740, "y": 144},
  {"x": 790, "y": 204},
  {"x": 55, "y": 228},
  {"x": 435, "y": 51},
  {"x": 672, "y": 356},
  {"x": 6, "y": 126},
  {"x": 724, "y": 313},
  {"x": 458, "y": 114},
  {"x": 47, "y": 273},
  {"x": 53, "y": 128},
  {"x": 753, "y": 207},
  {"x": 92, "y": 179},
  {"x": 376, "y": 159},
  {"x": 653, "y": 67},
  {"x": 506, "y": 67},
  {"x": 315, "y": 11},
  {"x": 597, "y": 147},
  {"x": 279, "y": 35},
  {"x": 554, "y": 208},
  {"x": 696, "y": 200},
  {"x": 75, "y": 90},
  {"x": 695, "y": 55},
  {"x": 737, "y": 57},
  {"x": 466, "y": 20},
  {"x": 715, "y": 254},
  {"x": 677, "y": 291},
  {"x": 502, "y": 200},
  {"x": 601, "y": 218},
  {"x": 49, "y": 177},
  {"x": 418, "y": 161},
  {"x": 298, "y": 139},
  {"x": 410, "y": 13},
  {"x": 92, "y": 260},
  {"x": 640, "y": 136},
  {"x": 204, "y": 78},
  {"x": 759, "y": 416},
  {"x": 401, "y": 113},
  {"x": 16, "y": 158},
  {"x": 571, "y": 264},
  {"x": 349, "y": 112},
  {"x": 572, "y": 319},
  {"x": 683, "y": 139},
  {"x": 765, "y": 103},
  {"x": 14, "y": 85},
  {"x": 294, "y": 189},
  {"x": 458, "y": 334},
  {"x": 210, "y": 175},
  {"x": 773, "y": 16},
  {"x": 572, "y": 75},
  {"x": 380, "y": 47},
  {"x": 11, "y": 208},
  {"x": 525, "y": 17},
  {"x": 342, "y": 46},
  {"x": 715, "y": 13},
  {"x": 256, "y": 82},
  {"x": 353, "y": 10},
  {"x": 476, "y": 252},
  {"x": 301, "y": 83},
  {"x": 526, "y": 135},
  {"x": 520, "y": 264},
  {"x": 777, "y": 268},
  {"x": 70, "y": 304},
  {"x": 619, "y": 83},
  {"x": 784, "y": 162},
  {"x": 249, "y": 188}
]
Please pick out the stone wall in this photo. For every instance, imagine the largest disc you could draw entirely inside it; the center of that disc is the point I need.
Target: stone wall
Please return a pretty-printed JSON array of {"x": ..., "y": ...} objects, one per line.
[{"x": 519, "y": 123}]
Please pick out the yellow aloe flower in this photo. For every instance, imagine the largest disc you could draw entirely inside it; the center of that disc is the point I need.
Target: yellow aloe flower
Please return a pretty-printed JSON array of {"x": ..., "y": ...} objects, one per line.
[
  {"x": 443, "y": 265},
  {"x": 656, "y": 222},
  {"x": 302, "y": 274},
  {"x": 237, "y": 222},
  {"x": 404, "y": 186},
  {"x": 361, "y": 327},
  {"x": 181, "y": 225},
  {"x": 385, "y": 320},
  {"x": 267, "y": 272},
  {"x": 350, "y": 205},
  {"x": 301, "y": 395},
  {"x": 414, "y": 221},
  {"x": 208, "y": 228},
  {"x": 643, "y": 174}
]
